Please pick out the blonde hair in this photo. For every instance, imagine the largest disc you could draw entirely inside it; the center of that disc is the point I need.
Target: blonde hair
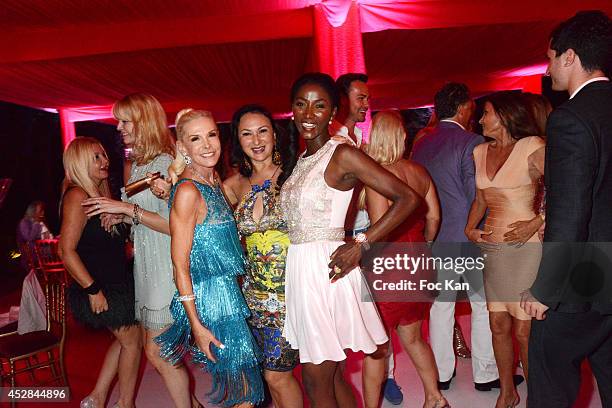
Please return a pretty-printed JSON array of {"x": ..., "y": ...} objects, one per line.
[
  {"x": 150, "y": 126},
  {"x": 387, "y": 141},
  {"x": 182, "y": 118},
  {"x": 77, "y": 161}
]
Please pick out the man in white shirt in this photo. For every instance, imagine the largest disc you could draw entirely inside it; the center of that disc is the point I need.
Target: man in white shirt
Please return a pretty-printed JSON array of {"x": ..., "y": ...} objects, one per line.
[{"x": 354, "y": 106}]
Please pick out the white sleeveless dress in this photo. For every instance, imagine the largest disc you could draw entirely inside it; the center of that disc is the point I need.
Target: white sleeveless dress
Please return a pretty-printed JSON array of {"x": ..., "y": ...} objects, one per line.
[{"x": 322, "y": 318}]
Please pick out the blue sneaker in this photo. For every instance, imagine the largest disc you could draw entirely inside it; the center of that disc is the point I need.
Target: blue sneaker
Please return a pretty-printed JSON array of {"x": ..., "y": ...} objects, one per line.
[{"x": 393, "y": 392}]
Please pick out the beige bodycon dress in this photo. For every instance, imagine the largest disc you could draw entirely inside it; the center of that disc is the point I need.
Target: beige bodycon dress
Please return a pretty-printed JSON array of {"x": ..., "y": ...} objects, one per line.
[{"x": 509, "y": 270}]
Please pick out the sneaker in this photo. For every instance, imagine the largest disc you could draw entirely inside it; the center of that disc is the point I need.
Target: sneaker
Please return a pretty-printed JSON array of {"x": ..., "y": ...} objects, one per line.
[{"x": 393, "y": 392}]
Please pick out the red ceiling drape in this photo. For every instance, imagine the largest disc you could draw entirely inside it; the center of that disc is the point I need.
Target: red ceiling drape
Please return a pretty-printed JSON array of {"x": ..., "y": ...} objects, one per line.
[{"x": 79, "y": 56}]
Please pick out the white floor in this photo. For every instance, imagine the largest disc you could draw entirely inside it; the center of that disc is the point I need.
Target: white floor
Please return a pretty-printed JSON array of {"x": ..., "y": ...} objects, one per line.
[{"x": 152, "y": 392}]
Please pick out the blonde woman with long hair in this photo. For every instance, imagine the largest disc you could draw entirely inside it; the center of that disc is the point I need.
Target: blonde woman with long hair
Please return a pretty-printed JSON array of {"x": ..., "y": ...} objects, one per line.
[
  {"x": 143, "y": 125},
  {"x": 387, "y": 146},
  {"x": 210, "y": 313},
  {"x": 103, "y": 292}
]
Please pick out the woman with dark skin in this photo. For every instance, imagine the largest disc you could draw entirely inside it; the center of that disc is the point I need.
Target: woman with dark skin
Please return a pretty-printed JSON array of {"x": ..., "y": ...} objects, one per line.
[{"x": 322, "y": 275}]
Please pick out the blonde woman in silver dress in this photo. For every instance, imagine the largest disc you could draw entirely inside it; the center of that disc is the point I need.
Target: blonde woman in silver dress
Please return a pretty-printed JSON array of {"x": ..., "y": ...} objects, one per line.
[{"x": 142, "y": 124}]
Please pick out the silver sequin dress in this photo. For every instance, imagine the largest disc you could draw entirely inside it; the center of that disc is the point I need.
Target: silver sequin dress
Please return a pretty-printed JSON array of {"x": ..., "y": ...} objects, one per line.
[{"x": 154, "y": 284}]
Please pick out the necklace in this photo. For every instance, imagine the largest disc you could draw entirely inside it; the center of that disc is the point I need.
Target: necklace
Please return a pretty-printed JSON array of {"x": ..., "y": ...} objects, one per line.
[
  {"x": 256, "y": 188},
  {"x": 209, "y": 183}
]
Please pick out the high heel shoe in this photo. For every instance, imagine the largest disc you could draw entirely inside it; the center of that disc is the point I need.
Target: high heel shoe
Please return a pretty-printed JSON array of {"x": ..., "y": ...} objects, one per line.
[
  {"x": 513, "y": 404},
  {"x": 441, "y": 403},
  {"x": 88, "y": 402}
]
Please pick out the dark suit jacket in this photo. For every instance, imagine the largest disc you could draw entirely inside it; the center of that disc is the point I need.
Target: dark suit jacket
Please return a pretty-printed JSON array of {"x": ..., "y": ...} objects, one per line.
[
  {"x": 447, "y": 154},
  {"x": 578, "y": 173}
]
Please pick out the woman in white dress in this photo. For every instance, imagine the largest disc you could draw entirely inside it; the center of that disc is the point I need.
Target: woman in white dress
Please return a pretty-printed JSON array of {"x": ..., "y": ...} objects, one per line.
[{"x": 325, "y": 313}]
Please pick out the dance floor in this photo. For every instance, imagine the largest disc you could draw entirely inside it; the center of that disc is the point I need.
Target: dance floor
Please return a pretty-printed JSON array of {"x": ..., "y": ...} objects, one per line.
[{"x": 85, "y": 350}]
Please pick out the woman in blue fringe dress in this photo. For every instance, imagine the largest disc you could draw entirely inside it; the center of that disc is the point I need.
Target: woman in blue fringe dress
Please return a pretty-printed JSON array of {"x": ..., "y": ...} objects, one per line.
[{"x": 209, "y": 311}]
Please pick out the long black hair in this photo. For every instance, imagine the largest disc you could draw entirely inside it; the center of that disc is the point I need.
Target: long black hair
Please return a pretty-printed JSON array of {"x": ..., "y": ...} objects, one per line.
[{"x": 286, "y": 145}]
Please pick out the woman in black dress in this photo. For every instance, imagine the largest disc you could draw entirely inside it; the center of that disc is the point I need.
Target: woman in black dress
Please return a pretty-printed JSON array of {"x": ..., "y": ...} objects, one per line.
[{"x": 103, "y": 292}]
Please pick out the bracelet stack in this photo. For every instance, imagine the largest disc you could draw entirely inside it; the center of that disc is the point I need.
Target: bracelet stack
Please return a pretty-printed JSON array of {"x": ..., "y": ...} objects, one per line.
[
  {"x": 186, "y": 298},
  {"x": 137, "y": 215}
]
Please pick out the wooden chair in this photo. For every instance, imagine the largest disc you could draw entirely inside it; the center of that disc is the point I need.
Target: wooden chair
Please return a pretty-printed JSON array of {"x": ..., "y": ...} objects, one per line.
[
  {"x": 49, "y": 260},
  {"x": 30, "y": 348}
]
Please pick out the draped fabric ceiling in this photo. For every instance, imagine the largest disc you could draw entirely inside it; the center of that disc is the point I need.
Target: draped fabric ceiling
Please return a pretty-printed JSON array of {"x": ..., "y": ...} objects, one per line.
[{"x": 79, "y": 56}]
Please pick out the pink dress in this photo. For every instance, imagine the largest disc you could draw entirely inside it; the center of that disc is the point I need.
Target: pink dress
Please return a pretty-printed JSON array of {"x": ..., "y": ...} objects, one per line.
[{"x": 322, "y": 318}]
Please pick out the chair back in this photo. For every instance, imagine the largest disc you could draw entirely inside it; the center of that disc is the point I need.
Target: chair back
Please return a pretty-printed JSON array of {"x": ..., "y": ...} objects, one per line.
[
  {"x": 47, "y": 253},
  {"x": 55, "y": 296}
]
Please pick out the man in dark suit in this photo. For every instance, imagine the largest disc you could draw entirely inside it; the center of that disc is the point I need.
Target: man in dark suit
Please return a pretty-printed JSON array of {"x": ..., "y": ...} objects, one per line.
[
  {"x": 446, "y": 153},
  {"x": 571, "y": 297}
]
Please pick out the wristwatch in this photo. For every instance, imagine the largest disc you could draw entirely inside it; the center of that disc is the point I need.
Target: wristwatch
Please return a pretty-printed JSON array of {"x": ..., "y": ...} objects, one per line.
[{"x": 362, "y": 239}]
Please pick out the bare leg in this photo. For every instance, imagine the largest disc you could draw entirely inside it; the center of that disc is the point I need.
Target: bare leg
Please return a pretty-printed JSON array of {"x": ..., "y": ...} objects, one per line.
[
  {"x": 423, "y": 359},
  {"x": 175, "y": 377},
  {"x": 501, "y": 328},
  {"x": 129, "y": 363},
  {"x": 319, "y": 381},
  {"x": 107, "y": 374},
  {"x": 343, "y": 391},
  {"x": 522, "y": 328},
  {"x": 285, "y": 390},
  {"x": 374, "y": 375}
]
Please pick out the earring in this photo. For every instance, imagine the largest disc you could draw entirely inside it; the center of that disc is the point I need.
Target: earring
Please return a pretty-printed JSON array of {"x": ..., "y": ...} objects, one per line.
[
  {"x": 331, "y": 120},
  {"x": 247, "y": 164},
  {"x": 292, "y": 117},
  {"x": 276, "y": 157},
  {"x": 187, "y": 159}
]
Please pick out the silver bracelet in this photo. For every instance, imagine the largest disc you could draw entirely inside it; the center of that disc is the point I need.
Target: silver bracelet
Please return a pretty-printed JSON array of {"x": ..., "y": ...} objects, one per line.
[{"x": 187, "y": 298}]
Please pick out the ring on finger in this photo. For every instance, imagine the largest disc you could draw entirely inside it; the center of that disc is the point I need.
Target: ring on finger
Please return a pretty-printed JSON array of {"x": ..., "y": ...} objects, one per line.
[{"x": 337, "y": 270}]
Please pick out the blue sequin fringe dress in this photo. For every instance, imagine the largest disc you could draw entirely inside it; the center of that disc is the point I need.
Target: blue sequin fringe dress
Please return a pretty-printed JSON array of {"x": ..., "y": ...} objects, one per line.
[{"x": 216, "y": 259}]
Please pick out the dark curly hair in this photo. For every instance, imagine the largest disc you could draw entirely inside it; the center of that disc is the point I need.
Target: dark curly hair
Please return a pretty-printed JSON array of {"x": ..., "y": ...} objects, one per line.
[
  {"x": 343, "y": 83},
  {"x": 589, "y": 34},
  {"x": 448, "y": 99},
  {"x": 285, "y": 144},
  {"x": 514, "y": 114}
]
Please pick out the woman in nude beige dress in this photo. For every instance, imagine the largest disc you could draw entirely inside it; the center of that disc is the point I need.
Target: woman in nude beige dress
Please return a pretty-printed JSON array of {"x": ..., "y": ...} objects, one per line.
[{"x": 507, "y": 172}]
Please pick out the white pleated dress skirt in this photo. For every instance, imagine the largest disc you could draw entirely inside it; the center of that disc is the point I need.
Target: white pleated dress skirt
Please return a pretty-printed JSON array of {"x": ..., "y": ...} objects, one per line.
[{"x": 324, "y": 319}]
